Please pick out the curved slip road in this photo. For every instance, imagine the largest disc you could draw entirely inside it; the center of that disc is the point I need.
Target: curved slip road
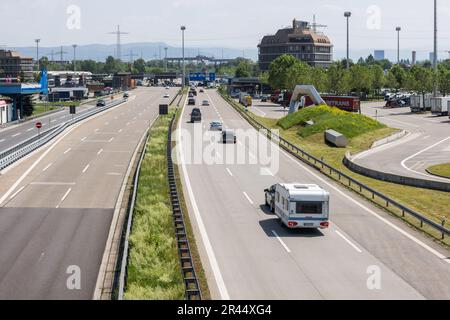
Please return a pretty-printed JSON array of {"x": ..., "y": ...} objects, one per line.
[
  {"x": 59, "y": 214},
  {"x": 428, "y": 143},
  {"x": 248, "y": 255}
]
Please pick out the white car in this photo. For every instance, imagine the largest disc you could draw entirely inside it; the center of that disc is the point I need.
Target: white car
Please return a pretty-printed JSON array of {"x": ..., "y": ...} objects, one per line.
[
  {"x": 205, "y": 103},
  {"x": 166, "y": 96},
  {"x": 167, "y": 88}
]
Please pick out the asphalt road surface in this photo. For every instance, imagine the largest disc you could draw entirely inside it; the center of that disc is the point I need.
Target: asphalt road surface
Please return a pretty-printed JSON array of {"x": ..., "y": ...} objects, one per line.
[
  {"x": 268, "y": 110},
  {"x": 248, "y": 255},
  {"x": 57, "y": 205},
  {"x": 428, "y": 143},
  {"x": 18, "y": 133}
]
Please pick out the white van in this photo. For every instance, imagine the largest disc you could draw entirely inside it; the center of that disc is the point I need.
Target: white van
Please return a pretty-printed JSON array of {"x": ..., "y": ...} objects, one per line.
[{"x": 300, "y": 206}]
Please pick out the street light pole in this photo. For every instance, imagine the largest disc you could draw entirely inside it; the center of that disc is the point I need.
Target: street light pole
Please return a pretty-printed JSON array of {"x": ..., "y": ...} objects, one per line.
[
  {"x": 435, "y": 62},
  {"x": 183, "y": 28},
  {"x": 37, "y": 53},
  {"x": 165, "y": 58},
  {"x": 74, "y": 57},
  {"x": 398, "y": 29},
  {"x": 348, "y": 14}
]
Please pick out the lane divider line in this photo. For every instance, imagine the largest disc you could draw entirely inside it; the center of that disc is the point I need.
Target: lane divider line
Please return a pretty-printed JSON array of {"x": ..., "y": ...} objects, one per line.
[
  {"x": 248, "y": 198},
  {"x": 354, "y": 246},
  {"x": 281, "y": 241},
  {"x": 17, "y": 192},
  {"x": 64, "y": 198}
]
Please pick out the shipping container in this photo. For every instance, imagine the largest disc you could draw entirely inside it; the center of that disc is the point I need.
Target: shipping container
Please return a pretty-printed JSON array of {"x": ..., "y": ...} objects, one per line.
[{"x": 439, "y": 106}]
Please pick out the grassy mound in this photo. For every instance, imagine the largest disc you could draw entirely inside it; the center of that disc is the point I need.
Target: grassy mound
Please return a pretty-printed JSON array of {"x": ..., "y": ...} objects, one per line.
[{"x": 325, "y": 117}]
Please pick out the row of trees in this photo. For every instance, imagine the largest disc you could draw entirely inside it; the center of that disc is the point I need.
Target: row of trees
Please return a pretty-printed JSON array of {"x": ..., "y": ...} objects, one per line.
[{"x": 366, "y": 78}]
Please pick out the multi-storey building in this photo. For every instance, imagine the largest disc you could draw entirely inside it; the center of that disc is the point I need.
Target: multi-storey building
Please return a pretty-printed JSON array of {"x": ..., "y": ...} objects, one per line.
[
  {"x": 301, "y": 41},
  {"x": 14, "y": 65}
]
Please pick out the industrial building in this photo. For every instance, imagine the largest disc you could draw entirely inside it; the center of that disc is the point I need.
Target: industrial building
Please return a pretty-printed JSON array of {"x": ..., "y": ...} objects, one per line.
[
  {"x": 302, "y": 41},
  {"x": 14, "y": 65},
  {"x": 6, "y": 110}
]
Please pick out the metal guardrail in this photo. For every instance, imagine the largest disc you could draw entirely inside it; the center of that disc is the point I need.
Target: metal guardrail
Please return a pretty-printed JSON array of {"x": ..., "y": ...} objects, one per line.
[
  {"x": 193, "y": 291},
  {"x": 333, "y": 172},
  {"x": 24, "y": 148}
]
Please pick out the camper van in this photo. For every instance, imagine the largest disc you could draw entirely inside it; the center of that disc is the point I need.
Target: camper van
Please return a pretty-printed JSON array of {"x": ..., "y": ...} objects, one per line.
[{"x": 300, "y": 206}]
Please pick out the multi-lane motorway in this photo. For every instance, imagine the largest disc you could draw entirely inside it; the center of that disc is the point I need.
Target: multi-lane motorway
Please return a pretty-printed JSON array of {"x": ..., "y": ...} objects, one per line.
[
  {"x": 56, "y": 206},
  {"x": 366, "y": 254}
]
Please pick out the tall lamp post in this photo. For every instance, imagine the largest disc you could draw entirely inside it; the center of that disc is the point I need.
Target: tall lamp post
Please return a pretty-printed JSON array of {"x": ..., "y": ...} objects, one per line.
[
  {"x": 435, "y": 58},
  {"x": 398, "y": 29},
  {"x": 37, "y": 53},
  {"x": 347, "y": 15},
  {"x": 74, "y": 57},
  {"x": 183, "y": 28}
]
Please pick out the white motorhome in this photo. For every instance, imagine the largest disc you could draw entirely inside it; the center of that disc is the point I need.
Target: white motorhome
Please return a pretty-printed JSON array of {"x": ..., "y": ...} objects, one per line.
[
  {"x": 440, "y": 106},
  {"x": 300, "y": 206}
]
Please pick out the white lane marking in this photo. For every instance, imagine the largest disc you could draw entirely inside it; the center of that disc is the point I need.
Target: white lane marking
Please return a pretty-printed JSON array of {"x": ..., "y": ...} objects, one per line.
[
  {"x": 120, "y": 131},
  {"x": 281, "y": 241},
  {"x": 354, "y": 246},
  {"x": 198, "y": 217},
  {"x": 3, "y": 140},
  {"x": 97, "y": 130},
  {"x": 86, "y": 168},
  {"x": 260, "y": 111},
  {"x": 84, "y": 139},
  {"x": 52, "y": 184},
  {"x": 269, "y": 172},
  {"x": 111, "y": 140},
  {"x": 31, "y": 129},
  {"x": 17, "y": 192},
  {"x": 47, "y": 167},
  {"x": 16, "y": 135},
  {"x": 229, "y": 172},
  {"x": 100, "y": 152},
  {"x": 67, "y": 151},
  {"x": 419, "y": 153},
  {"x": 362, "y": 206},
  {"x": 248, "y": 198},
  {"x": 64, "y": 198}
]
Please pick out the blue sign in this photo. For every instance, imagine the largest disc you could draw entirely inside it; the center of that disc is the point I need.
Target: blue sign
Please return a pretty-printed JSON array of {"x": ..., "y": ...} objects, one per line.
[{"x": 202, "y": 77}]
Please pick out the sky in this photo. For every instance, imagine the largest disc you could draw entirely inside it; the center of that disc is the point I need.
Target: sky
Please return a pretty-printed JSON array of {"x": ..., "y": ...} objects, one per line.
[{"x": 230, "y": 24}]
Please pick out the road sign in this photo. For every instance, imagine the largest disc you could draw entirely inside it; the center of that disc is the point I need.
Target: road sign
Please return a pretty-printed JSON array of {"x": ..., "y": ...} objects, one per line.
[
  {"x": 38, "y": 125},
  {"x": 201, "y": 76},
  {"x": 73, "y": 110}
]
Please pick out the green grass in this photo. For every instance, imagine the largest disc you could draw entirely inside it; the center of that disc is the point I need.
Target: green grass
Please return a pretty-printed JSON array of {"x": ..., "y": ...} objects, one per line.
[
  {"x": 154, "y": 271},
  {"x": 40, "y": 109},
  {"x": 442, "y": 170},
  {"x": 430, "y": 203},
  {"x": 349, "y": 124}
]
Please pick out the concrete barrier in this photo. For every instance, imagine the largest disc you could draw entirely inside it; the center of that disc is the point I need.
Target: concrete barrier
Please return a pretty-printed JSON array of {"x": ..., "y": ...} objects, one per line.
[
  {"x": 389, "y": 177},
  {"x": 336, "y": 138}
]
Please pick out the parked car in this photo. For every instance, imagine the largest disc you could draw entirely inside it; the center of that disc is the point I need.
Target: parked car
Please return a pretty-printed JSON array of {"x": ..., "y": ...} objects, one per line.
[
  {"x": 216, "y": 125},
  {"x": 196, "y": 115},
  {"x": 101, "y": 103}
]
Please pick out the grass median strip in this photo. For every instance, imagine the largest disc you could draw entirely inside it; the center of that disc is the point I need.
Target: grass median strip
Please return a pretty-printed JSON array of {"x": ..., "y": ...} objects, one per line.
[
  {"x": 154, "y": 271},
  {"x": 432, "y": 204}
]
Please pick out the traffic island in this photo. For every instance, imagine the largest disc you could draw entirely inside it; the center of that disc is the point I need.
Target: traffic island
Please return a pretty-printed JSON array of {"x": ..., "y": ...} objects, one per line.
[{"x": 442, "y": 170}]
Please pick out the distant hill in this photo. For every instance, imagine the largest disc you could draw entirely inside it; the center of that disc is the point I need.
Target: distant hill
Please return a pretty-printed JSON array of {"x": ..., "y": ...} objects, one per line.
[{"x": 148, "y": 51}]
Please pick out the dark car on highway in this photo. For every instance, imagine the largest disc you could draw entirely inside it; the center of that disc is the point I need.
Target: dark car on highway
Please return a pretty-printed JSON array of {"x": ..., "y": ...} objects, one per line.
[
  {"x": 101, "y": 103},
  {"x": 191, "y": 102},
  {"x": 196, "y": 115}
]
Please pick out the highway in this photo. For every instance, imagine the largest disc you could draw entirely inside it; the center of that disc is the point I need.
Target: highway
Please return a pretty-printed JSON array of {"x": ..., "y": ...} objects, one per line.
[
  {"x": 56, "y": 206},
  {"x": 248, "y": 255},
  {"x": 427, "y": 144},
  {"x": 18, "y": 133}
]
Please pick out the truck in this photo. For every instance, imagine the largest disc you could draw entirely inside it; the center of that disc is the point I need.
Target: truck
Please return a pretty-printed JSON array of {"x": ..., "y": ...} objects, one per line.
[
  {"x": 245, "y": 99},
  {"x": 346, "y": 103},
  {"x": 299, "y": 206},
  {"x": 440, "y": 106}
]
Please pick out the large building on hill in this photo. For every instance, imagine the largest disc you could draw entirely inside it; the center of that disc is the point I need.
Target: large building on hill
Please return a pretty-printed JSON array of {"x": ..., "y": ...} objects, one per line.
[{"x": 301, "y": 41}]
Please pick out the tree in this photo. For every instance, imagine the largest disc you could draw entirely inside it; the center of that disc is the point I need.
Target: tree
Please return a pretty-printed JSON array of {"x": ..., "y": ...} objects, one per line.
[
  {"x": 338, "y": 79},
  {"x": 244, "y": 69},
  {"x": 443, "y": 79},
  {"x": 396, "y": 78},
  {"x": 140, "y": 66},
  {"x": 278, "y": 70},
  {"x": 378, "y": 78},
  {"x": 299, "y": 73},
  {"x": 360, "y": 79},
  {"x": 319, "y": 79},
  {"x": 27, "y": 105},
  {"x": 420, "y": 79}
]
